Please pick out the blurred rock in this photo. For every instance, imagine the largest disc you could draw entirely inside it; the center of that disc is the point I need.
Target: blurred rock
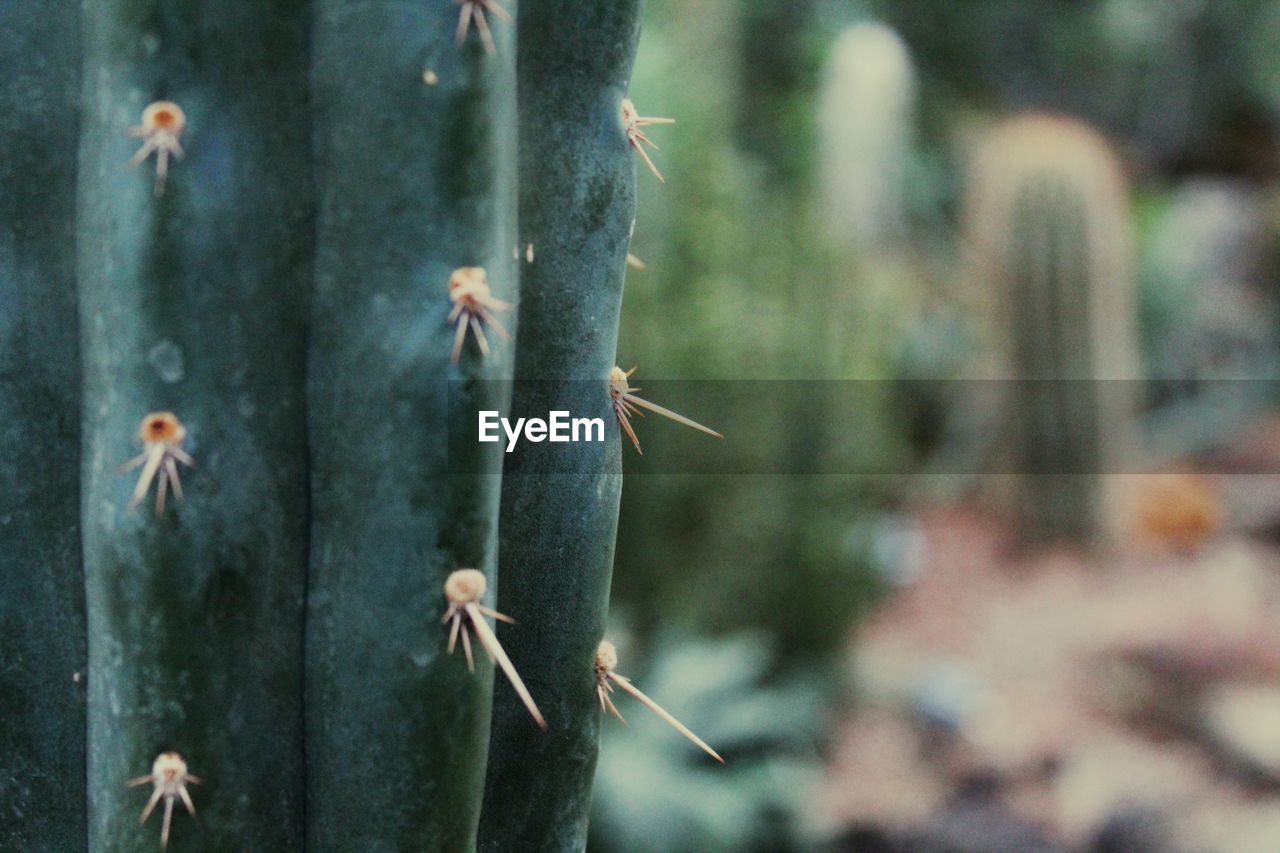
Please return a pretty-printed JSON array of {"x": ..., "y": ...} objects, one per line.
[
  {"x": 1110, "y": 776},
  {"x": 1244, "y": 721},
  {"x": 879, "y": 775},
  {"x": 947, "y": 697},
  {"x": 1231, "y": 825},
  {"x": 978, "y": 824},
  {"x": 975, "y": 821},
  {"x": 1128, "y": 701},
  {"x": 1250, "y": 485}
]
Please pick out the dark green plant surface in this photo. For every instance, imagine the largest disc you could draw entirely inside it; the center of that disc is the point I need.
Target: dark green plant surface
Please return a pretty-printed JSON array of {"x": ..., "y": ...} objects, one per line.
[
  {"x": 42, "y": 632},
  {"x": 415, "y": 180},
  {"x": 577, "y": 204},
  {"x": 1187, "y": 87},
  {"x": 195, "y": 302}
]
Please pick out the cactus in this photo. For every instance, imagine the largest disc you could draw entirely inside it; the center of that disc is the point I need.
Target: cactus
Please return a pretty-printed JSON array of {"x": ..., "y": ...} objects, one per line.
[
  {"x": 559, "y": 509},
  {"x": 1049, "y": 226},
  {"x": 865, "y": 121},
  {"x": 285, "y": 304},
  {"x": 193, "y": 300},
  {"x": 397, "y": 730},
  {"x": 42, "y": 632}
]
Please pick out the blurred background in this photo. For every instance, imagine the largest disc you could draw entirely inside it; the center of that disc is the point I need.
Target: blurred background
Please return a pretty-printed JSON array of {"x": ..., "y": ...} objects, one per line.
[{"x": 1074, "y": 202}]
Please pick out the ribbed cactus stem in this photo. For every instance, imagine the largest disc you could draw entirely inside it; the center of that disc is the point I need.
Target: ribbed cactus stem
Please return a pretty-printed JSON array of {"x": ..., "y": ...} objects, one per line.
[
  {"x": 194, "y": 301},
  {"x": 416, "y": 173},
  {"x": 1051, "y": 228},
  {"x": 42, "y": 631},
  {"x": 560, "y": 502}
]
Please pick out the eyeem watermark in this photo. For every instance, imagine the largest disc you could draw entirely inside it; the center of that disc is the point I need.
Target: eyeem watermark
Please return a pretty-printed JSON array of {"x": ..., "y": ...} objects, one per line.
[{"x": 558, "y": 427}]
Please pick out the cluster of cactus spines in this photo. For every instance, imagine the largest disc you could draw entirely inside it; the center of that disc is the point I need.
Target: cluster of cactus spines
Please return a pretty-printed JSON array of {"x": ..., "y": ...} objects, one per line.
[
  {"x": 866, "y": 118},
  {"x": 632, "y": 122},
  {"x": 464, "y": 590},
  {"x": 162, "y": 436},
  {"x": 168, "y": 779},
  {"x": 1048, "y": 224},
  {"x": 413, "y": 259},
  {"x": 606, "y": 678},
  {"x": 42, "y": 630},
  {"x": 626, "y": 404},
  {"x": 161, "y": 133},
  {"x": 192, "y": 291},
  {"x": 474, "y": 306}
]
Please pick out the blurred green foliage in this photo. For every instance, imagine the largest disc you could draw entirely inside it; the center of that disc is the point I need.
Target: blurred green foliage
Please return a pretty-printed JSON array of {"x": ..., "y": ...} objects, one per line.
[
  {"x": 742, "y": 283},
  {"x": 1185, "y": 85},
  {"x": 740, "y": 286},
  {"x": 655, "y": 791}
]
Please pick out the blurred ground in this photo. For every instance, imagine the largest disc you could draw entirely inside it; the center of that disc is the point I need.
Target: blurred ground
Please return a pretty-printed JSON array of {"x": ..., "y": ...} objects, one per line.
[{"x": 1127, "y": 701}]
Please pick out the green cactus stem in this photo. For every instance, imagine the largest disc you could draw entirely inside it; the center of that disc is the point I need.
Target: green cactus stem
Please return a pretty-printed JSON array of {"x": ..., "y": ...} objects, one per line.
[
  {"x": 560, "y": 506},
  {"x": 416, "y": 174},
  {"x": 194, "y": 301},
  {"x": 42, "y": 630}
]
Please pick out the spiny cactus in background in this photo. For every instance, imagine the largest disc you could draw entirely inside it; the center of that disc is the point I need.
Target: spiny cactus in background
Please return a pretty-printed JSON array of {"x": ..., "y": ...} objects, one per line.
[
  {"x": 414, "y": 237},
  {"x": 865, "y": 122},
  {"x": 42, "y": 630},
  {"x": 1048, "y": 223},
  {"x": 865, "y": 126},
  {"x": 559, "y": 511}
]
